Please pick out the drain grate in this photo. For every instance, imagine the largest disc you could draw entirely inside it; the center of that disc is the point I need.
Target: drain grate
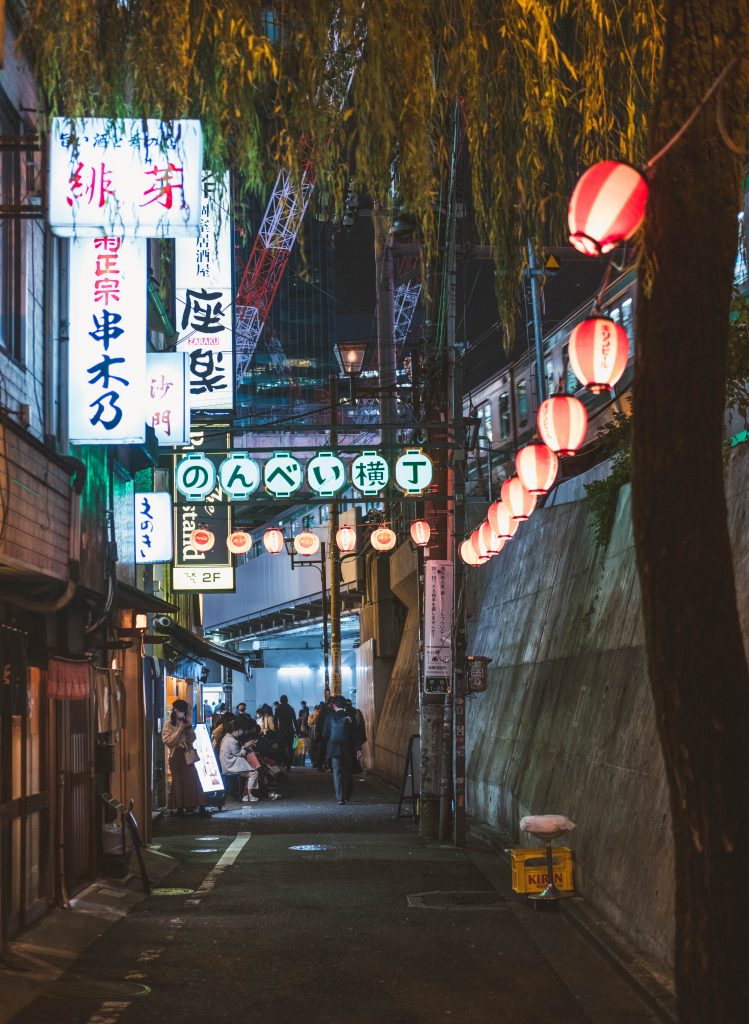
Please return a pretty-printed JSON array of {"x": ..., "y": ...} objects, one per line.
[{"x": 483, "y": 900}]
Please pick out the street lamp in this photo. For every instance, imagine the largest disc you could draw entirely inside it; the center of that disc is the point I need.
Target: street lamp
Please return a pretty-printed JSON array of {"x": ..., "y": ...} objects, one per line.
[{"x": 351, "y": 356}]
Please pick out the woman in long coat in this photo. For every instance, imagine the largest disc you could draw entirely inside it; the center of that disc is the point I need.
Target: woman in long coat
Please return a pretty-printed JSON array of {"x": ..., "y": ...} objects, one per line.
[{"x": 179, "y": 738}]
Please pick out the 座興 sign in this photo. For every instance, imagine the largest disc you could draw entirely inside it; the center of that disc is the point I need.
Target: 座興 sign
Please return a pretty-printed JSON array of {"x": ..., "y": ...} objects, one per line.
[
  {"x": 153, "y": 527},
  {"x": 130, "y": 177},
  {"x": 107, "y": 348},
  {"x": 203, "y": 277},
  {"x": 167, "y": 409},
  {"x": 438, "y": 625}
]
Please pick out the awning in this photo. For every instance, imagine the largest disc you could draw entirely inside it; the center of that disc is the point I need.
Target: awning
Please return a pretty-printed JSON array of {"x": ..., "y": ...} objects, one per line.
[
  {"x": 204, "y": 648},
  {"x": 130, "y": 597}
]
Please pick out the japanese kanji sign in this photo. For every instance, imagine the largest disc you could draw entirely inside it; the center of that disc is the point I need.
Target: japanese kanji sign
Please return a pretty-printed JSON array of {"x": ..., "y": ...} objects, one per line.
[
  {"x": 239, "y": 476},
  {"x": 200, "y": 571},
  {"x": 438, "y": 624},
  {"x": 203, "y": 275},
  {"x": 326, "y": 474},
  {"x": 282, "y": 475},
  {"x": 413, "y": 471},
  {"x": 107, "y": 351},
  {"x": 129, "y": 178},
  {"x": 370, "y": 473},
  {"x": 195, "y": 476},
  {"x": 153, "y": 527},
  {"x": 167, "y": 410}
]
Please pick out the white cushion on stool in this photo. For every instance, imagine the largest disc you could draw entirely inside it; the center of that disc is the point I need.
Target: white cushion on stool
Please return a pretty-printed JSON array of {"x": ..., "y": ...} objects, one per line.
[{"x": 546, "y": 826}]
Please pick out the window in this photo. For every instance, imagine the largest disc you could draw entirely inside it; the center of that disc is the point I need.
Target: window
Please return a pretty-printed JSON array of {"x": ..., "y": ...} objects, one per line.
[
  {"x": 549, "y": 374},
  {"x": 521, "y": 389},
  {"x": 505, "y": 425},
  {"x": 10, "y": 237},
  {"x": 571, "y": 383},
  {"x": 485, "y": 421},
  {"x": 628, "y": 323}
]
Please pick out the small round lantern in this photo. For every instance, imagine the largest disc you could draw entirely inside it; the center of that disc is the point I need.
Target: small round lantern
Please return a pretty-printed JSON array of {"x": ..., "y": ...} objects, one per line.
[
  {"x": 383, "y": 538},
  {"x": 500, "y": 521},
  {"x": 202, "y": 540},
  {"x": 239, "y": 541},
  {"x": 478, "y": 544},
  {"x": 537, "y": 466},
  {"x": 273, "y": 541},
  {"x": 517, "y": 499},
  {"x": 562, "y": 423},
  {"x": 606, "y": 207},
  {"x": 345, "y": 538},
  {"x": 468, "y": 555},
  {"x": 598, "y": 350},
  {"x": 490, "y": 540},
  {"x": 306, "y": 543},
  {"x": 421, "y": 531}
]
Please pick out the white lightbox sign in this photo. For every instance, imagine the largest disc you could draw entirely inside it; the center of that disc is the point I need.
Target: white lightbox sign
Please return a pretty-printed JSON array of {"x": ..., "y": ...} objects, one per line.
[
  {"x": 154, "y": 524},
  {"x": 107, "y": 349},
  {"x": 167, "y": 409},
  {"x": 125, "y": 177},
  {"x": 207, "y": 766},
  {"x": 203, "y": 579},
  {"x": 203, "y": 276},
  {"x": 414, "y": 471}
]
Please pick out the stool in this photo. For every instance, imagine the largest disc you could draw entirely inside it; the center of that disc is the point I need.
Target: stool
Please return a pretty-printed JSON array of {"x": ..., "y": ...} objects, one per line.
[{"x": 546, "y": 828}]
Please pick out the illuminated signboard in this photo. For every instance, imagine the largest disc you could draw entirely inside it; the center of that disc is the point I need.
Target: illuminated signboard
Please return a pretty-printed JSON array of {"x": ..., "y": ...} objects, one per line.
[
  {"x": 107, "y": 348},
  {"x": 203, "y": 276},
  {"x": 197, "y": 571},
  {"x": 130, "y": 177},
  {"x": 195, "y": 476},
  {"x": 370, "y": 473},
  {"x": 207, "y": 766},
  {"x": 413, "y": 471},
  {"x": 239, "y": 476},
  {"x": 326, "y": 474},
  {"x": 282, "y": 475},
  {"x": 167, "y": 410},
  {"x": 153, "y": 528}
]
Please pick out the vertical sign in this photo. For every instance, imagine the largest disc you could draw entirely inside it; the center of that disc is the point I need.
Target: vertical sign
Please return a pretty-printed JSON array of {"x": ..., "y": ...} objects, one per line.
[
  {"x": 203, "y": 276},
  {"x": 438, "y": 625},
  {"x": 167, "y": 408},
  {"x": 107, "y": 350},
  {"x": 153, "y": 527}
]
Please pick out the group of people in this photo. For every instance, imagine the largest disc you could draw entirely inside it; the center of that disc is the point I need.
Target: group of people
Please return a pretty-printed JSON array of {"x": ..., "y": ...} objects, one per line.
[{"x": 253, "y": 752}]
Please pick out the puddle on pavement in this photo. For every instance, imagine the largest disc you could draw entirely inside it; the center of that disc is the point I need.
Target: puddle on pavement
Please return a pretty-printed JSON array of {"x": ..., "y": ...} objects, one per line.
[
  {"x": 456, "y": 900},
  {"x": 312, "y": 848},
  {"x": 205, "y": 849}
]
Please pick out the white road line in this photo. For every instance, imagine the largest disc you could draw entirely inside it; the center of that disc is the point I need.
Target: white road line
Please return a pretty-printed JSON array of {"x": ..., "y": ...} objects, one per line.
[
  {"x": 108, "y": 1013},
  {"x": 225, "y": 861}
]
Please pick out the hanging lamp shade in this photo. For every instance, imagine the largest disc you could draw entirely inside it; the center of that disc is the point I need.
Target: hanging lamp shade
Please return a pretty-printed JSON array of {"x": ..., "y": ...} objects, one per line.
[
  {"x": 239, "y": 541},
  {"x": 383, "y": 539},
  {"x": 468, "y": 555},
  {"x": 517, "y": 499},
  {"x": 202, "y": 540},
  {"x": 489, "y": 539},
  {"x": 606, "y": 207},
  {"x": 345, "y": 538},
  {"x": 421, "y": 531},
  {"x": 598, "y": 351},
  {"x": 500, "y": 521},
  {"x": 562, "y": 423},
  {"x": 478, "y": 544},
  {"x": 306, "y": 543},
  {"x": 537, "y": 466},
  {"x": 273, "y": 541}
]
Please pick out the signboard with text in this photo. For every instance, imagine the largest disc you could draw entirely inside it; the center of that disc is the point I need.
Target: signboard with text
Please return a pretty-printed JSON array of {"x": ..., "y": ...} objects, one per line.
[
  {"x": 438, "y": 625},
  {"x": 197, "y": 571},
  {"x": 153, "y": 528},
  {"x": 167, "y": 410}
]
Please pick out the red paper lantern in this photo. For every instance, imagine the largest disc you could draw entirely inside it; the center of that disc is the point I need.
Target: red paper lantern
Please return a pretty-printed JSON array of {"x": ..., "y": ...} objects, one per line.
[
  {"x": 345, "y": 538},
  {"x": 202, "y": 540},
  {"x": 537, "y": 466},
  {"x": 468, "y": 555},
  {"x": 606, "y": 207},
  {"x": 500, "y": 521},
  {"x": 383, "y": 539},
  {"x": 562, "y": 423},
  {"x": 273, "y": 542},
  {"x": 421, "y": 531},
  {"x": 598, "y": 351},
  {"x": 239, "y": 541},
  {"x": 478, "y": 544},
  {"x": 489, "y": 539},
  {"x": 517, "y": 499},
  {"x": 306, "y": 543}
]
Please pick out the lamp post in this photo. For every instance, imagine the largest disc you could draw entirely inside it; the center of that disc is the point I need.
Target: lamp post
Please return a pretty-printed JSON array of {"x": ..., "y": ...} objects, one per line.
[
  {"x": 321, "y": 567},
  {"x": 351, "y": 356}
]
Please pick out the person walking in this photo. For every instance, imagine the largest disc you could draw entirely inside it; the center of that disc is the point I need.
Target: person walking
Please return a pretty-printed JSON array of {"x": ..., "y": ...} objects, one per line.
[
  {"x": 360, "y": 731},
  {"x": 317, "y": 743},
  {"x": 178, "y": 735},
  {"x": 233, "y": 758},
  {"x": 342, "y": 750},
  {"x": 286, "y": 727},
  {"x": 303, "y": 733}
]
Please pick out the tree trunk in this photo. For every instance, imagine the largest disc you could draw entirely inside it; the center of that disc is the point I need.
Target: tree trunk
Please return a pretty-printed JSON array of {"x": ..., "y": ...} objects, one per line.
[{"x": 696, "y": 657}]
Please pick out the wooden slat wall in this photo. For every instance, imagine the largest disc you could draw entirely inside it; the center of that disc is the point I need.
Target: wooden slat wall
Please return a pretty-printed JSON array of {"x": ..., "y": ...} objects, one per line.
[{"x": 35, "y": 501}]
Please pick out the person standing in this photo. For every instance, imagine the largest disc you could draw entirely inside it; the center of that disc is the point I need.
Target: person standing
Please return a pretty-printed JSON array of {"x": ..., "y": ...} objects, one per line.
[
  {"x": 286, "y": 727},
  {"x": 179, "y": 739},
  {"x": 341, "y": 748},
  {"x": 302, "y": 733}
]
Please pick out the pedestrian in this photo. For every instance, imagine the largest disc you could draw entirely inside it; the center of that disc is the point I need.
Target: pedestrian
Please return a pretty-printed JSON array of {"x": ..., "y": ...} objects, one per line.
[
  {"x": 286, "y": 727},
  {"x": 207, "y": 713},
  {"x": 178, "y": 735},
  {"x": 234, "y": 764},
  {"x": 265, "y": 718},
  {"x": 220, "y": 728},
  {"x": 317, "y": 743},
  {"x": 341, "y": 748},
  {"x": 241, "y": 708},
  {"x": 360, "y": 730},
  {"x": 303, "y": 734}
]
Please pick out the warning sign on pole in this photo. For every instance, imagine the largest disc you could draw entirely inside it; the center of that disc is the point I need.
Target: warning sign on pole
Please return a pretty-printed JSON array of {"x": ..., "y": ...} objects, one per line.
[{"x": 438, "y": 625}]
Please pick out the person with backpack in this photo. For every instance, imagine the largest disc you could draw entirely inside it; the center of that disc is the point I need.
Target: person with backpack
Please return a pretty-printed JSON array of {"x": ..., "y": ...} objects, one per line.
[
  {"x": 342, "y": 748},
  {"x": 286, "y": 727}
]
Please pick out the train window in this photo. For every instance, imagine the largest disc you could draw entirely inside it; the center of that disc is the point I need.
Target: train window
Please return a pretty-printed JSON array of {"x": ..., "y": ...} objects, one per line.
[
  {"x": 504, "y": 415},
  {"x": 628, "y": 323},
  {"x": 571, "y": 383},
  {"x": 549, "y": 373},
  {"x": 485, "y": 416},
  {"x": 521, "y": 389}
]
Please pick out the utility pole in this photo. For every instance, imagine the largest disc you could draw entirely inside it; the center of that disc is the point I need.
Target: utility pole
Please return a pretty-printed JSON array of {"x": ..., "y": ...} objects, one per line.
[
  {"x": 538, "y": 342},
  {"x": 386, "y": 362},
  {"x": 325, "y": 644},
  {"x": 335, "y": 576}
]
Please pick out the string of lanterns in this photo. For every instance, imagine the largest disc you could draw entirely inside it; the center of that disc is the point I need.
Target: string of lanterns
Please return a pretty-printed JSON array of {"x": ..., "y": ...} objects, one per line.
[{"x": 606, "y": 208}]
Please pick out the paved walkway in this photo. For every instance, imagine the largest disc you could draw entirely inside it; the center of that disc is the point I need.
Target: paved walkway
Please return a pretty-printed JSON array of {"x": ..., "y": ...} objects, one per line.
[{"x": 304, "y": 911}]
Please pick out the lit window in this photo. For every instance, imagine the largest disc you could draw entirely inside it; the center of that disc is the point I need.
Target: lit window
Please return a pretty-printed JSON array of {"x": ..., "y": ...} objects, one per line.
[
  {"x": 485, "y": 426},
  {"x": 549, "y": 373},
  {"x": 628, "y": 323},
  {"x": 571, "y": 383},
  {"x": 504, "y": 415},
  {"x": 522, "y": 395},
  {"x": 11, "y": 274}
]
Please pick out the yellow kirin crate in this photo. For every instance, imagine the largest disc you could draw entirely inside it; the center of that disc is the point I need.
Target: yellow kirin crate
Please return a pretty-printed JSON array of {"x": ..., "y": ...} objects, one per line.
[{"x": 529, "y": 872}]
